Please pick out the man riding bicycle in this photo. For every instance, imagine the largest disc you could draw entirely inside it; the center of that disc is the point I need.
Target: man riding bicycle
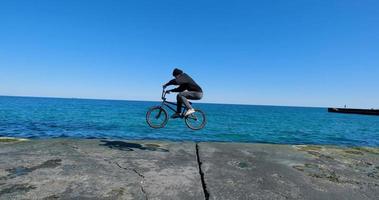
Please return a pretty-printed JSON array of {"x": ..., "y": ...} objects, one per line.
[{"x": 188, "y": 89}]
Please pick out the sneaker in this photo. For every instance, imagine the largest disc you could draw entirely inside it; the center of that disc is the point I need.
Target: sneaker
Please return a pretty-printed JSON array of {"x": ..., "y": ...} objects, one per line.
[
  {"x": 176, "y": 115},
  {"x": 190, "y": 111}
]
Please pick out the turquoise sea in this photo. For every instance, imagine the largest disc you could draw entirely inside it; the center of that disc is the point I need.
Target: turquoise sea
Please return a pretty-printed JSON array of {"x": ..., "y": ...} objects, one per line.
[{"x": 30, "y": 117}]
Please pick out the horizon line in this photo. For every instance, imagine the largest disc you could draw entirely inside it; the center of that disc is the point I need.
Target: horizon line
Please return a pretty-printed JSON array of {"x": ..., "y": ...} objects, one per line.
[{"x": 139, "y": 100}]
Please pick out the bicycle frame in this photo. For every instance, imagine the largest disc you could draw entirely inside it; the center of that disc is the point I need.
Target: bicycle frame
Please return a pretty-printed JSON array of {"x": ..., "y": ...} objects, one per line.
[{"x": 168, "y": 103}]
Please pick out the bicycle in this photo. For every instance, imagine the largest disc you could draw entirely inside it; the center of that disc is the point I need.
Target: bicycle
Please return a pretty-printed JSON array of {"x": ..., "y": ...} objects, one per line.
[{"x": 157, "y": 116}]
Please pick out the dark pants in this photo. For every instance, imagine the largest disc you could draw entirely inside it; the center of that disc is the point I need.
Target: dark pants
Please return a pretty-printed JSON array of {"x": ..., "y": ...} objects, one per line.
[{"x": 183, "y": 98}]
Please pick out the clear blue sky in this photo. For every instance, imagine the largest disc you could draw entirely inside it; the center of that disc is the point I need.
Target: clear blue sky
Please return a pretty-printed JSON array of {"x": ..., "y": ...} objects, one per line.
[{"x": 305, "y": 53}]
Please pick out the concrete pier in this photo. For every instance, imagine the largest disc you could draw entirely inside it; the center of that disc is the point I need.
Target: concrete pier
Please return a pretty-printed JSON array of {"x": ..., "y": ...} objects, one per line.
[{"x": 118, "y": 169}]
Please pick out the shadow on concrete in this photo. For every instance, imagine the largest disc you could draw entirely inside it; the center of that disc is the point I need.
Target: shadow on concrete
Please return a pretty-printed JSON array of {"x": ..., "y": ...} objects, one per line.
[{"x": 128, "y": 146}]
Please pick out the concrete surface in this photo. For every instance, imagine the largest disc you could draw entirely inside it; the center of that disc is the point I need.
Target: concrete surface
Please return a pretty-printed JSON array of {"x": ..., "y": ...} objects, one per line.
[
  {"x": 260, "y": 171},
  {"x": 115, "y": 169},
  {"x": 98, "y": 169}
]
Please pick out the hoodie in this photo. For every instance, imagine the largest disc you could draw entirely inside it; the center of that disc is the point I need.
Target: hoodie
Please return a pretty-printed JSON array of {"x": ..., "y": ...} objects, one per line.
[{"x": 185, "y": 82}]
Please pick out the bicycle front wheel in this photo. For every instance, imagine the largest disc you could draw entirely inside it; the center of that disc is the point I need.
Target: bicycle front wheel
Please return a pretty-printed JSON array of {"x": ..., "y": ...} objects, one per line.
[
  {"x": 196, "y": 120},
  {"x": 156, "y": 117}
]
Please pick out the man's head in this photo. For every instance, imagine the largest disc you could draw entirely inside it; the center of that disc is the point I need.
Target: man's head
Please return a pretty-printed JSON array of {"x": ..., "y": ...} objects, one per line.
[{"x": 177, "y": 72}]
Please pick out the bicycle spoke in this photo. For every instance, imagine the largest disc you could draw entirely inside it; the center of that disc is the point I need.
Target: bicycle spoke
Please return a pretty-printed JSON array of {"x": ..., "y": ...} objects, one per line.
[
  {"x": 159, "y": 114},
  {"x": 192, "y": 117}
]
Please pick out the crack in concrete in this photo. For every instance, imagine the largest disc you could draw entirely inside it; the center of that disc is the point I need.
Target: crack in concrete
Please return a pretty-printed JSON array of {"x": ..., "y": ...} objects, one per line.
[
  {"x": 199, "y": 163},
  {"x": 118, "y": 165},
  {"x": 139, "y": 174},
  {"x": 110, "y": 162},
  {"x": 144, "y": 192},
  {"x": 135, "y": 171},
  {"x": 130, "y": 169}
]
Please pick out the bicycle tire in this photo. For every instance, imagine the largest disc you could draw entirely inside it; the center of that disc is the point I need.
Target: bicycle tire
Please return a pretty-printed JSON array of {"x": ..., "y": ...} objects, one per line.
[
  {"x": 203, "y": 123},
  {"x": 163, "y": 113}
]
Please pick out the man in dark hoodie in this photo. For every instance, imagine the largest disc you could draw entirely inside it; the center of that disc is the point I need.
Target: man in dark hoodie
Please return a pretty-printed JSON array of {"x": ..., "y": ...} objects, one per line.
[{"x": 188, "y": 89}]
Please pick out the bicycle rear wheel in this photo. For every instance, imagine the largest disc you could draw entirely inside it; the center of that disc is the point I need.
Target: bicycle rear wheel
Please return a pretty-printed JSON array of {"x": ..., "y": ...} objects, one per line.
[
  {"x": 196, "y": 120},
  {"x": 156, "y": 117}
]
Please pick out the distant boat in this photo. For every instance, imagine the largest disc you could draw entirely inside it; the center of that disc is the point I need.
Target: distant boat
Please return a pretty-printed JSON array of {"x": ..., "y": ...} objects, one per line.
[{"x": 354, "y": 111}]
